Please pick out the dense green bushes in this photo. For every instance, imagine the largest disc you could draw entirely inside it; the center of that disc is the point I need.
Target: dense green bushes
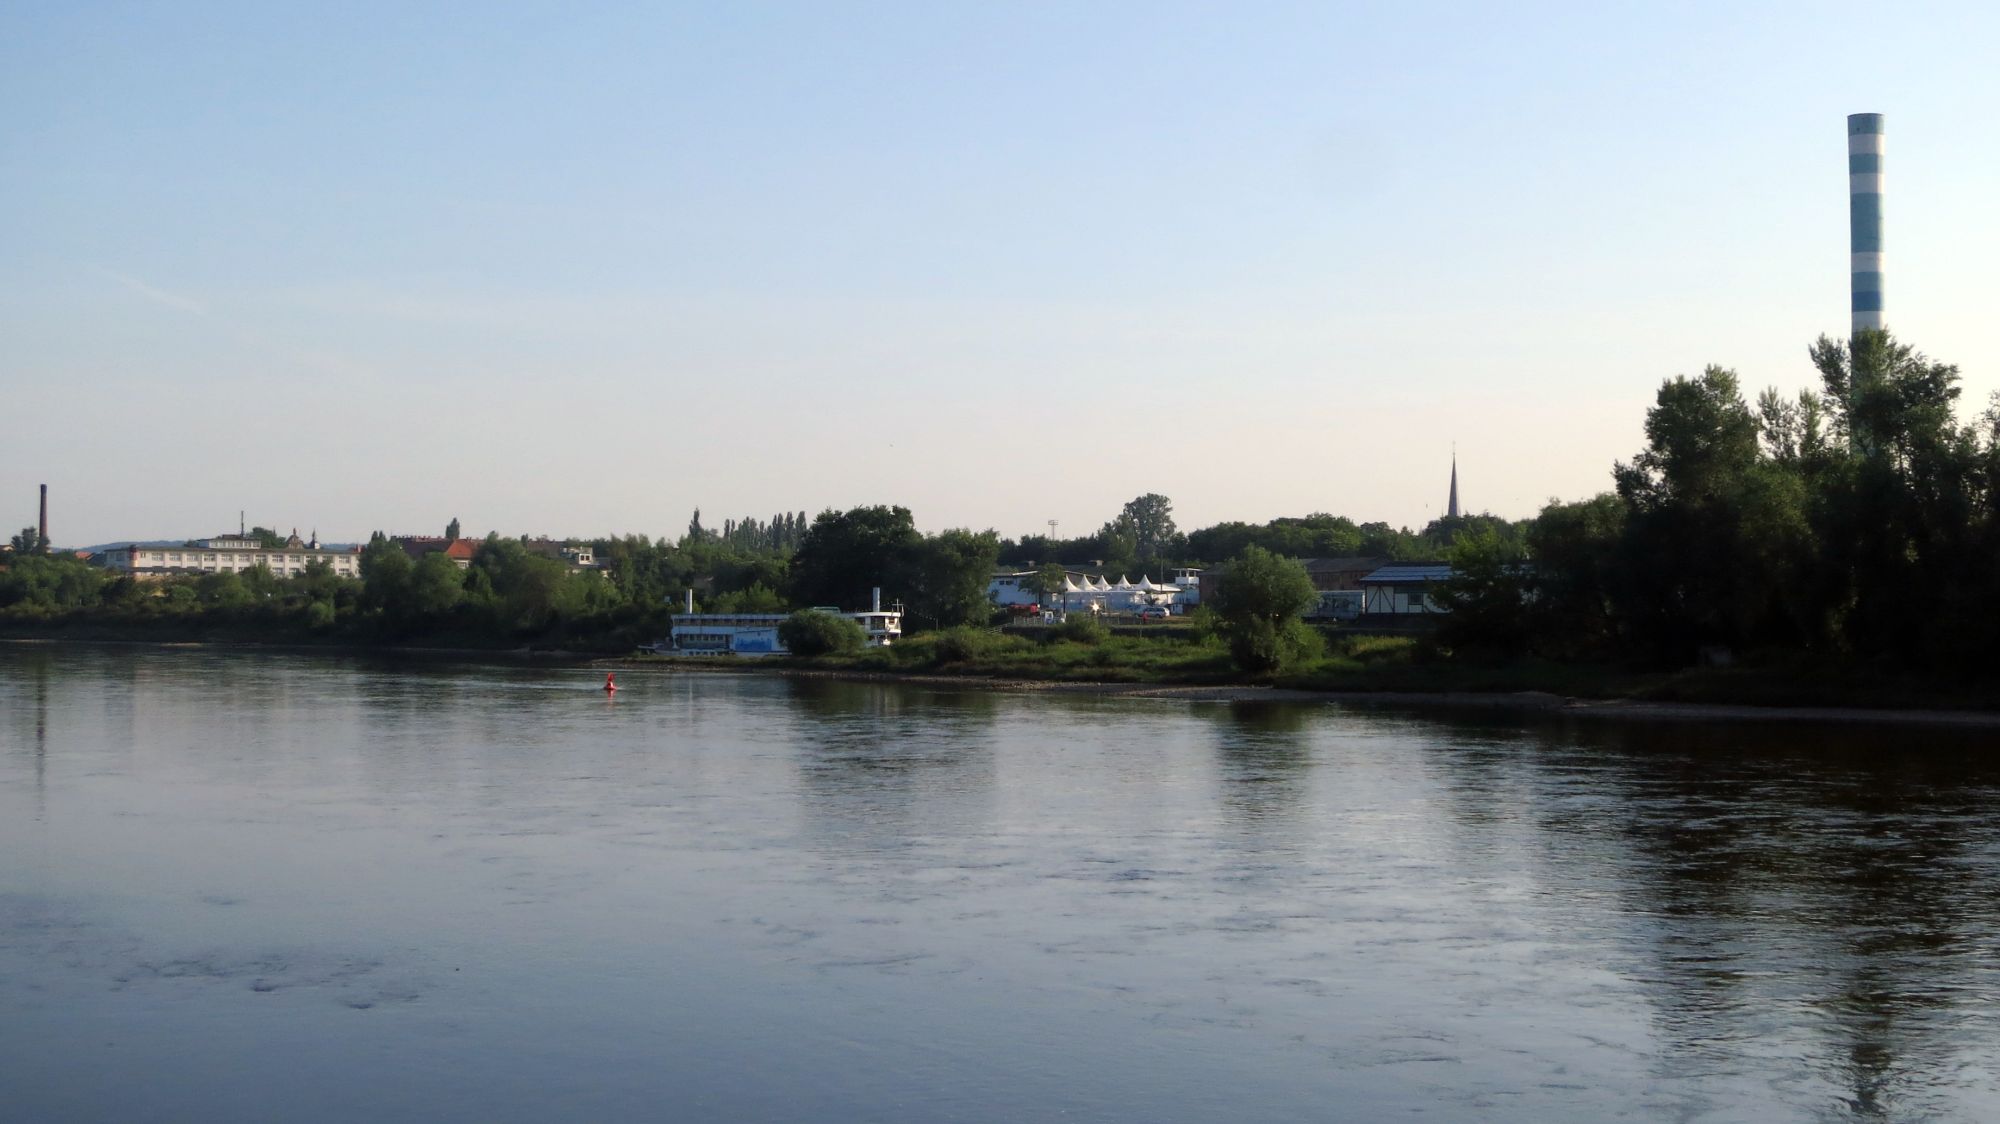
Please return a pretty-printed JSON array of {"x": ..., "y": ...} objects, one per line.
[
  {"x": 815, "y": 632},
  {"x": 1258, "y": 602},
  {"x": 1081, "y": 628},
  {"x": 964, "y": 644}
]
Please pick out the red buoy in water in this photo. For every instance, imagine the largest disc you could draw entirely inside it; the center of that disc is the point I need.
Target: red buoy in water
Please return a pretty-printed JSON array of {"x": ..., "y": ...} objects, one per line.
[{"x": 610, "y": 684}]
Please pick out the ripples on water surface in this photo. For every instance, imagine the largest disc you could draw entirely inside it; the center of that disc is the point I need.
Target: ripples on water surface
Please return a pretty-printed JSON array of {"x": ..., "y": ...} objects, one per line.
[{"x": 242, "y": 887}]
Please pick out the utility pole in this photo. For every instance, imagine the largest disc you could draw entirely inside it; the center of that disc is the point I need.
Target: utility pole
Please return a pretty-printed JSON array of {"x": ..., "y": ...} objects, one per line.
[{"x": 1057, "y": 561}]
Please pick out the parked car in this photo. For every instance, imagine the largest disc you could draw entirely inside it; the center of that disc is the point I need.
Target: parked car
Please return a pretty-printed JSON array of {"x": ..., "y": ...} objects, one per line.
[{"x": 1154, "y": 612}]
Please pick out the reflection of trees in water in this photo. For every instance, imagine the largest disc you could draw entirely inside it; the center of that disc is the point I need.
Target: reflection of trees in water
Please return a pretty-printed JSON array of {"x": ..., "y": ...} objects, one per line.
[
  {"x": 1263, "y": 752},
  {"x": 1783, "y": 883},
  {"x": 39, "y": 671},
  {"x": 882, "y": 763},
  {"x": 54, "y": 699},
  {"x": 1479, "y": 773},
  {"x": 239, "y": 711},
  {"x": 33, "y": 717},
  {"x": 513, "y": 718},
  {"x": 117, "y": 676}
]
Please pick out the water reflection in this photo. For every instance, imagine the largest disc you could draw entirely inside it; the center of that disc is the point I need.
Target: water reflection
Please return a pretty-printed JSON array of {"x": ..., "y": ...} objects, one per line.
[
  {"x": 881, "y": 766},
  {"x": 1779, "y": 884},
  {"x": 803, "y": 899},
  {"x": 29, "y": 718},
  {"x": 1263, "y": 751}
]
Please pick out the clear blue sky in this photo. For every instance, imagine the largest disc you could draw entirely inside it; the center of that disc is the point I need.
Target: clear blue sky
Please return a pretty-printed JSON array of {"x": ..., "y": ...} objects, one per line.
[{"x": 579, "y": 271}]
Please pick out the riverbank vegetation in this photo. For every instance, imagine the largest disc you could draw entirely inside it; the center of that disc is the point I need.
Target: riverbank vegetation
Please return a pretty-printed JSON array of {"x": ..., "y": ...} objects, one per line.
[
  {"x": 1353, "y": 662},
  {"x": 1853, "y": 527},
  {"x": 507, "y": 596},
  {"x": 1837, "y": 543}
]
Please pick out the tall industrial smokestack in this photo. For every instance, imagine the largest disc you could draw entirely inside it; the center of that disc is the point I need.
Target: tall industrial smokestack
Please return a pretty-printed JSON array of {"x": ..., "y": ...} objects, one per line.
[
  {"x": 1864, "y": 217},
  {"x": 44, "y": 524}
]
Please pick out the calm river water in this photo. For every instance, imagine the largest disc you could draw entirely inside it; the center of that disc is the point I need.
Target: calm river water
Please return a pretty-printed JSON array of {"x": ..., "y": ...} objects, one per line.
[{"x": 250, "y": 887}]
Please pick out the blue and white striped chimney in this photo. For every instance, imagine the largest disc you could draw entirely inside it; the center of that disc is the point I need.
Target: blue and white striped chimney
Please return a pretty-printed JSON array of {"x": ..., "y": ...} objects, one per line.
[{"x": 1864, "y": 216}]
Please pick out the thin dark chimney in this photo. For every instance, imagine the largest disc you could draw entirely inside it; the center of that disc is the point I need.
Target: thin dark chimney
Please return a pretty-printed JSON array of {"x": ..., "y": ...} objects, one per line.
[{"x": 45, "y": 515}]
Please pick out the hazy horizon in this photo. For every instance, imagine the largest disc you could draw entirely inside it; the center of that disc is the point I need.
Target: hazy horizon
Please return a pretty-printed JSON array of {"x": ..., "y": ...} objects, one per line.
[{"x": 581, "y": 273}]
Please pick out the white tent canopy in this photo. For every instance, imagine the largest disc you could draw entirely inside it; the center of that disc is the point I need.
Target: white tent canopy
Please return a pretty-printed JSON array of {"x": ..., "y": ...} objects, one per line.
[{"x": 1098, "y": 593}]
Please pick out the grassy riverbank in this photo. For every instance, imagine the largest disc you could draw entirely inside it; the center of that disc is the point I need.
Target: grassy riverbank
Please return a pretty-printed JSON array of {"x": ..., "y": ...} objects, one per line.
[
  {"x": 1372, "y": 664},
  {"x": 1166, "y": 657}
]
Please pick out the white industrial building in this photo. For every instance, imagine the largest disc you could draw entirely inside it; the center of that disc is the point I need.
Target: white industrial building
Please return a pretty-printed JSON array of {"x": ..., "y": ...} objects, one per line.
[
  {"x": 227, "y": 554},
  {"x": 756, "y": 634},
  {"x": 1016, "y": 587}
]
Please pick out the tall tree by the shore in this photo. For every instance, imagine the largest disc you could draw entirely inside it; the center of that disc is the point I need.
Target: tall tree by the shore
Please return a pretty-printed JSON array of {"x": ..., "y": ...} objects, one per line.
[
  {"x": 1258, "y": 600},
  {"x": 943, "y": 577},
  {"x": 1151, "y": 521},
  {"x": 1911, "y": 508},
  {"x": 845, "y": 554},
  {"x": 1857, "y": 520}
]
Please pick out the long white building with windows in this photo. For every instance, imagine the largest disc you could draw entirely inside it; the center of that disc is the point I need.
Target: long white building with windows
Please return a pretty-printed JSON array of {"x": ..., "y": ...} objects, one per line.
[
  {"x": 756, "y": 634},
  {"x": 226, "y": 555}
]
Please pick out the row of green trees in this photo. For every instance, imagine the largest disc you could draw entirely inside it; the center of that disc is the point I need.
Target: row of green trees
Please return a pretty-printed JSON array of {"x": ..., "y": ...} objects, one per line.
[
  {"x": 1142, "y": 538},
  {"x": 40, "y": 589},
  {"x": 779, "y": 533},
  {"x": 748, "y": 565},
  {"x": 1856, "y": 519},
  {"x": 510, "y": 594},
  {"x": 840, "y": 558},
  {"x": 507, "y": 592},
  {"x": 1859, "y": 520}
]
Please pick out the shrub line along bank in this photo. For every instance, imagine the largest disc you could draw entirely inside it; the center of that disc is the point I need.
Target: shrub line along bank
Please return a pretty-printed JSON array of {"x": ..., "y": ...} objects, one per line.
[
  {"x": 1350, "y": 666},
  {"x": 1354, "y": 669},
  {"x": 1846, "y": 539}
]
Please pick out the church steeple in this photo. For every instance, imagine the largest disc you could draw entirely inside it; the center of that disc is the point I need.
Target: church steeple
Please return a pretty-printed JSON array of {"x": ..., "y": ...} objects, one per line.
[{"x": 1451, "y": 508}]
